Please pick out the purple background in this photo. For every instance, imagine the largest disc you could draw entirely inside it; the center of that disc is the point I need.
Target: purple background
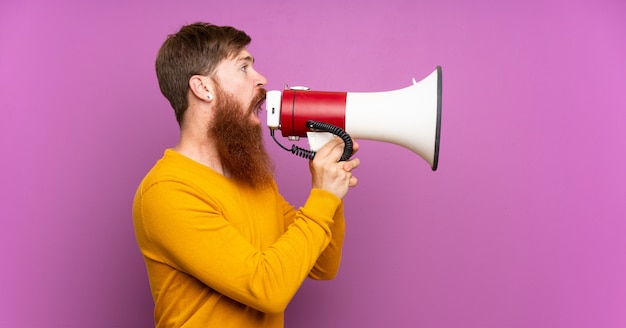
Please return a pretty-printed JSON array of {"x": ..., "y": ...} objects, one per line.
[{"x": 521, "y": 226}]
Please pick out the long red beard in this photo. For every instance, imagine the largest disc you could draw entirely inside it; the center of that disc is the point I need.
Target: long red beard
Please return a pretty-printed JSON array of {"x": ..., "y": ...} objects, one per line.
[{"x": 239, "y": 141}]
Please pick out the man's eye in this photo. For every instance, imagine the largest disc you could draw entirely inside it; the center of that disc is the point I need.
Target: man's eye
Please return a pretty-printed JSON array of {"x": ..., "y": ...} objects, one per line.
[{"x": 244, "y": 68}]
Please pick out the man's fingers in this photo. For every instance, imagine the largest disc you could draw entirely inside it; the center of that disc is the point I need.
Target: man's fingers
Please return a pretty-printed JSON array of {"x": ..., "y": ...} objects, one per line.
[
  {"x": 333, "y": 148},
  {"x": 353, "y": 181},
  {"x": 351, "y": 164}
]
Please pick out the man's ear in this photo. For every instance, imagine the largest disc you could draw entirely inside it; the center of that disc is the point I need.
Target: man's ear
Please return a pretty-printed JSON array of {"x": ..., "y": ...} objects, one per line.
[{"x": 200, "y": 87}]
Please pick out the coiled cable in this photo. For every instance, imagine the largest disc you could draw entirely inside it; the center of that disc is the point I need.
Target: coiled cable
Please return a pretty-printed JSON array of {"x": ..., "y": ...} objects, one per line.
[{"x": 323, "y": 127}]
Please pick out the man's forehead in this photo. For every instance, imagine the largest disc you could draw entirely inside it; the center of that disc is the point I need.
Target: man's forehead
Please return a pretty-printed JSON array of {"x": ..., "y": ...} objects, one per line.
[
  {"x": 243, "y": 55},
  {"x": 236, "y": 60}
]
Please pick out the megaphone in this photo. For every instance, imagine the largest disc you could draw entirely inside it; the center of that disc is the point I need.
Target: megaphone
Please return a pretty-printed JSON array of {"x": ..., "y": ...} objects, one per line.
[{"x": 409, "y": 117}]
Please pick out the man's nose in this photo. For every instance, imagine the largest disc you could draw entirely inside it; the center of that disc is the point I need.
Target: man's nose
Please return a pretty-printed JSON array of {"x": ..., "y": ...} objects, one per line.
[{"x": 261, "y": 81}]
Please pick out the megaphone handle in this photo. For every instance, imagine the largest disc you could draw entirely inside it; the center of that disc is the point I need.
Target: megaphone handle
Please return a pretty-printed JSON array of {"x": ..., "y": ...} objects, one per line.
[
  {"x": 309, "y": 154},
  {"x": 347, "y": 140}
]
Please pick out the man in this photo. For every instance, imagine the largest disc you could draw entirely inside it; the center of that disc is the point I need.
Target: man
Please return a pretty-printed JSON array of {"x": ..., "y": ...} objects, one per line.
[{"x": 222, "y": 247}]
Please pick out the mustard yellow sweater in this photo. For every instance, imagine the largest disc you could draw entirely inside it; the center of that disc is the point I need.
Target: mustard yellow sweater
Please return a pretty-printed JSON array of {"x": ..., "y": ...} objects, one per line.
[{"x": 219, "y": 254}]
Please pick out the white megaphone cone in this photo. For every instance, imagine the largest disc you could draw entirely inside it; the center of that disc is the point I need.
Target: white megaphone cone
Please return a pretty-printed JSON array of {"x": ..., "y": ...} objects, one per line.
[{"x": 408, "y": 117}]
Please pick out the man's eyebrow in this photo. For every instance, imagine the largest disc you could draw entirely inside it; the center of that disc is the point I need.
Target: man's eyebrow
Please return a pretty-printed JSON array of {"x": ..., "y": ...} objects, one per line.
[{"x": 246, "y": 59}]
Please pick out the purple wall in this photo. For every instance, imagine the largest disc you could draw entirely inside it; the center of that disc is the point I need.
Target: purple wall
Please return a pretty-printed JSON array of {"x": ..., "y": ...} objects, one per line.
[{"x": 521, "y": 226}]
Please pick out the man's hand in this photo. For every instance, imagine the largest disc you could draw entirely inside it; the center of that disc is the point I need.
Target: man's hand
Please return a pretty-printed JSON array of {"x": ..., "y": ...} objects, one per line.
[{"x": 331, "y": 175}]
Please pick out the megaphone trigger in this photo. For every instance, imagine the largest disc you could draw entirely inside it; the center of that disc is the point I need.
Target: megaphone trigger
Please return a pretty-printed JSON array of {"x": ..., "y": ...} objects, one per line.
[
  {"x": 333, "y": 130},
  {"x": 321, "y": 133}
]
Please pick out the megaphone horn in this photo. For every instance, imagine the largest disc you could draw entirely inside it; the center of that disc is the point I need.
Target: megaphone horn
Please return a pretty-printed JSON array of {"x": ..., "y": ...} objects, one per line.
[{"x": 409, "y": 117}]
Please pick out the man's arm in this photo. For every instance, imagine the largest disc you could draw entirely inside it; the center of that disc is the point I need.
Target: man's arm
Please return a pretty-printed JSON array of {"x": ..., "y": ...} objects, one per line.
[
  {"x": 327, "y": 265},
  {"x": 183, "y": 233}
]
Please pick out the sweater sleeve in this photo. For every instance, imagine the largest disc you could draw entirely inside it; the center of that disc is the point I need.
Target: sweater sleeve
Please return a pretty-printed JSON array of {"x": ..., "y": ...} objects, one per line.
[
  {"x": 183, "y": 233},
  {"x": 327, "y": 265}
]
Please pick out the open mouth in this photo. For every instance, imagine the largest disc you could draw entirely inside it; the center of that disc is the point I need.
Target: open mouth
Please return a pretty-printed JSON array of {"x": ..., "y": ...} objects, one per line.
[{"x": 258, "y": 106}]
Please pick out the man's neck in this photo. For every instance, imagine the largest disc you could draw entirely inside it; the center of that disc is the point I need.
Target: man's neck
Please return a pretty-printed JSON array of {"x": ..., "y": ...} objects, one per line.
[{"x": 200, "y": 150}]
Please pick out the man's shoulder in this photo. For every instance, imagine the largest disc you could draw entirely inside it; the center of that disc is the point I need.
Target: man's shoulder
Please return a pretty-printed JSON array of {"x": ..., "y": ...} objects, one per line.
[{"x": 175, "y": 169}]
